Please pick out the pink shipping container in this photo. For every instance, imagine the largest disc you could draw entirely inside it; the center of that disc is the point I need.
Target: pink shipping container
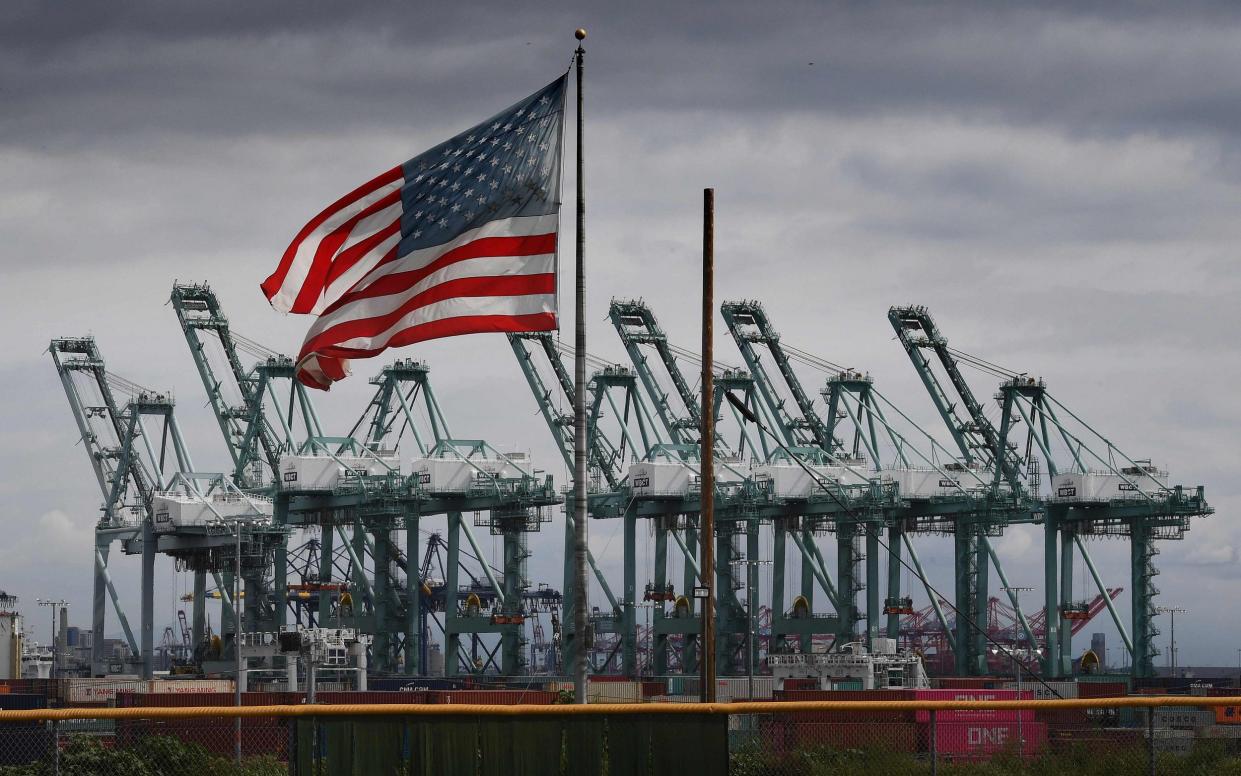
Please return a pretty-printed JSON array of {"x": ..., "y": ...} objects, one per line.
[
  {"x": 974, "y": 715},
  {"x": 981, "y": 740}
]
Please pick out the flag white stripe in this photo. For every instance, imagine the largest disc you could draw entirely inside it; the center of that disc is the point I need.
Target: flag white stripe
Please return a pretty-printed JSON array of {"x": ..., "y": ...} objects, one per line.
[
  {"x": 349, "y": 277},
  {"x": 521, "y": 226},
  {"x": 458, "y": 307},
  {"x": 487, "y": 266},
  {"x": 287, "y": 294}
]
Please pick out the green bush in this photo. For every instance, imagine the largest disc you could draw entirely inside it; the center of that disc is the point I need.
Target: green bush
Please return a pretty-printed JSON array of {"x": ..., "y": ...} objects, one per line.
[{"x": 152, "y": 756}]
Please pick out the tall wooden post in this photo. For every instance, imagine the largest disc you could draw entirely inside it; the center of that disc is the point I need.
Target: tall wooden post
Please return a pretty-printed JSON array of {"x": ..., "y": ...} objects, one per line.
[{"x": 707, "y": 691}]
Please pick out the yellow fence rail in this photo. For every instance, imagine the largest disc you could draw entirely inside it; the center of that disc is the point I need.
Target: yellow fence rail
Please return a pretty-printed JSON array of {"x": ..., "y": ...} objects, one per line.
[{"x": 609, "y": 709}]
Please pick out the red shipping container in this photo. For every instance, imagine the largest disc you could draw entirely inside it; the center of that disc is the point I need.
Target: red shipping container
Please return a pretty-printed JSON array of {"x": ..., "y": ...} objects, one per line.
[
  {"x": 845, "y": 695},
  {"x": 1102, "y": 689},
  {"x": 981, "y": 740},
  {"x": 975, "y": 715},
  {"x": 800, "y": 684},
  {"x": 877, "y": 715},
  {"x": 651, "y": 689}
]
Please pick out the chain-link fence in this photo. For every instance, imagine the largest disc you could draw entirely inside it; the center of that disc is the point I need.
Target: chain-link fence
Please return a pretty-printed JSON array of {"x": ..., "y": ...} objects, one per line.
[{"x": 1084, "y": 738}]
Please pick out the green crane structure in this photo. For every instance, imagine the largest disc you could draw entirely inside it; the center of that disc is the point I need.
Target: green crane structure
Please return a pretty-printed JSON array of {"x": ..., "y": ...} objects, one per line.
[
  {"x": 142, "y": 482},
  {"x": 650, "y": 351},
  {"x": 353, "y": 491},
  {"x": 633, "y": 433},
  {"x": 1094, "y": 489},
  {"x": 938, "y": 492}
]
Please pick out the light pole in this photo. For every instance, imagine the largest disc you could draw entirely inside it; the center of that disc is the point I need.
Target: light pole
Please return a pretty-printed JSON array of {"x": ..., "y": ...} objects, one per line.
[
  {"x": 1016, "y": 591},
  {"x": 55, "y": 607},
  {"x": 751, "y": 623},
  {"x": 237, "y": 615},
  {"x": 648, "y": 670},
  {"x": 1172, "y": 610}
]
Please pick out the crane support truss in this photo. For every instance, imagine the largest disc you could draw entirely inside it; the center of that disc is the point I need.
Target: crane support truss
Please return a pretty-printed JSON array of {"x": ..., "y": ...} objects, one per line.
[{"x": 360, "y": 528}]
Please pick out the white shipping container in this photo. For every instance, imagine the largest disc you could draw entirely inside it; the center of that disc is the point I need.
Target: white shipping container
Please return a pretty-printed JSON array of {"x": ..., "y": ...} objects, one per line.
[
  {"x": 660, "y": 478},
  {"x": 1044, "y": 692},
  {"x": 455, "y": 475},
  {"x": 182, "y": 686},
  {"x": 793, "y": 481},
  {"x": 323, "y": 472},
  {"x": 924, "y": 483},
  {"x": 105, "y": 690},
  {"x": 177, "y": 510},
  {"x": 1101, "y": 486},
  {"x": 738, "y": 688}
]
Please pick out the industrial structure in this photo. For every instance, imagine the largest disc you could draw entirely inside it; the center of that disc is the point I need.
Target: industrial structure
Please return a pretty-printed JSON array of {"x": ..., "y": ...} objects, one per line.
[{"x": 331, "y": 530}]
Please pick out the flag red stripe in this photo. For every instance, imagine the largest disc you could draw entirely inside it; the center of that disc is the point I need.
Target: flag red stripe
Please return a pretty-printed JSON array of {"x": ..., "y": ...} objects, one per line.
[
  {"x": 354, "y": 253},
  {"x": 273, "y": 283},
  {"x": 443, "y": 327},
  {"x": 499, "y": 285},
  {"x": 325, "y": 253},
  {"x": 486, "y": 247}
]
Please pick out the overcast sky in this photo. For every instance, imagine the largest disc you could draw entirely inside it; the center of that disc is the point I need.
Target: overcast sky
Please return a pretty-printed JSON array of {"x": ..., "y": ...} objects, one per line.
[{"x": 1058, "y": 184}]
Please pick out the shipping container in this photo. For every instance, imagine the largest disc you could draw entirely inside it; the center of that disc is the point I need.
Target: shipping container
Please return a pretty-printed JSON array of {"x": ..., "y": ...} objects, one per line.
[
  {"x": 415, "y": 684},
  {"x": 322, "y": 472},
  {"x": 923, "y": 483},
  {"x": 80, "y": 691},
  {"x": 979, "y": 740},
  {"x": 1184, "y": 717},
  {"x": 1098, "y": 487},
  {"x": 1102, "y": 689},
  {"x": 372, "y": 696},
  {"x": 494, "y": 697},
  {"x": 800, "y": 684},
  {"x": 177, "y": 510},
  {"x": 967, "y": 682},
  {"x": 190, "y": 700},
  {"x": 1045, "y": 691},
  {"x": 974, "y": 715},
  {"x": 18, "y": 701},
  {"x": 1228, "y": 715},
  {"x": 795, "y": 482},
  {"x": 868, "y": 715}
]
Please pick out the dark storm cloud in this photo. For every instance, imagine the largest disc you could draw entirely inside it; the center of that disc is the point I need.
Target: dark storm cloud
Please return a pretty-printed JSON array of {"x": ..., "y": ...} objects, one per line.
[{"x": 73, "y": 71}]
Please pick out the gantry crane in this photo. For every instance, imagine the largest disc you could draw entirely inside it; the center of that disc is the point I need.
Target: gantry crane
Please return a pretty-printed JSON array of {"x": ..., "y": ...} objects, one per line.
[
  {"x": 355, "y": 484},
  {"x": 938, "y": 492},
  {"x": 154, "y": 501},
  {"x": 636, "y": 434},
  {"x": 1091, "y": 493}
]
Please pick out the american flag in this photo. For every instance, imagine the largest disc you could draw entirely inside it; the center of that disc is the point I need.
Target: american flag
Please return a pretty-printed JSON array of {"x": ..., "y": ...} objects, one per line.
[{"x": 458, "y": 240}]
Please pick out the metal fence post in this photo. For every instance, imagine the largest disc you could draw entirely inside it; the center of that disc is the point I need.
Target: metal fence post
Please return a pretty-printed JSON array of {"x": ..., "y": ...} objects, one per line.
[
  {"x": 56, "y": 747},
  {"x": 1150, "y": 740},
  {"x": 934, "y": 747}
]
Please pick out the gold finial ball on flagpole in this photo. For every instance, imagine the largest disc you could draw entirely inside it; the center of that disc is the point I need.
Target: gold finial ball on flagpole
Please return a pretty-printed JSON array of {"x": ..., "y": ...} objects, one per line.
[{"x": 580, "y": 33}]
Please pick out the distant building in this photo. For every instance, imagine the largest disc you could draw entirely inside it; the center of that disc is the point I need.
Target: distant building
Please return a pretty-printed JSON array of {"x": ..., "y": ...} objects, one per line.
[{"x": 1098, "y": 645}]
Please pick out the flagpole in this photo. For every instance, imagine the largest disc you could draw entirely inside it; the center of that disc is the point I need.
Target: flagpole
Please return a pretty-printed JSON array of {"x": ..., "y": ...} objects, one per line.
[{"x": 580, "y": 518}]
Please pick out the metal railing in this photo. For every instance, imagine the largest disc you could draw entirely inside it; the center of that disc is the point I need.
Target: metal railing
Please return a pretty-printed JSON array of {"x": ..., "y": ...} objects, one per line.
[{"x": 1129, "y": 735}]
